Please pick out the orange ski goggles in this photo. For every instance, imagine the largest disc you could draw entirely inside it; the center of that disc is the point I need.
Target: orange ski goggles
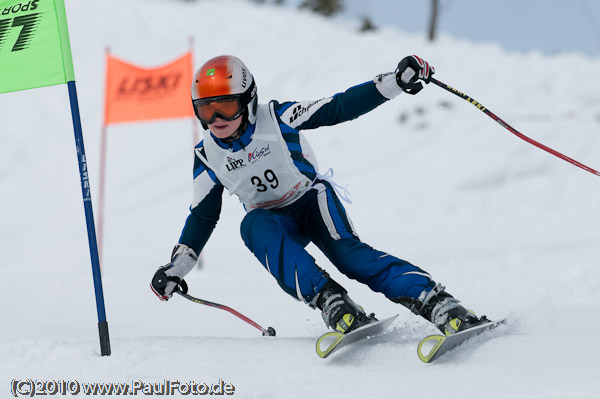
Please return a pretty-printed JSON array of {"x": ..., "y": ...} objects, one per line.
[{"x": 225, "y": 107}]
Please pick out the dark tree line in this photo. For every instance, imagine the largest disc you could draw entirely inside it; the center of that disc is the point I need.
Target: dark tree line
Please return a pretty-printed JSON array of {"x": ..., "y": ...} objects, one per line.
[{"x": 331, "y": 7}]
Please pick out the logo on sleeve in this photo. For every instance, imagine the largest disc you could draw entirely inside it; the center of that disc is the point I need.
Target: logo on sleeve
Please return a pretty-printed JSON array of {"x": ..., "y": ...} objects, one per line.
[{"x": 299, "y": 110}]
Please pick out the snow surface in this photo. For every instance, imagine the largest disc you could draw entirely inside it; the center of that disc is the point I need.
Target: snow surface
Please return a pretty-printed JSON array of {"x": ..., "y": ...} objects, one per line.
[{"x": 510, "y": 230}]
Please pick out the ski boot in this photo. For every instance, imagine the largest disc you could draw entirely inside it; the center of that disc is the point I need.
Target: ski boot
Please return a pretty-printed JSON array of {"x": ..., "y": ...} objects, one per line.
[
  {"x": 443, "y": 310},
  {"x": 339, "y": 311}
]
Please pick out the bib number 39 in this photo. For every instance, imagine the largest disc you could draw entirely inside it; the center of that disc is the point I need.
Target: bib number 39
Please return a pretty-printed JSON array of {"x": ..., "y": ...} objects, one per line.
[{"x": 271, "y": 179}]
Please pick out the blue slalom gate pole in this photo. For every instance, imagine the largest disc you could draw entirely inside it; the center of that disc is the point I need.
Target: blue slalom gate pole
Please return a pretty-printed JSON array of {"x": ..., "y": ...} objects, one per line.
[{"x": 89, "y": 218}]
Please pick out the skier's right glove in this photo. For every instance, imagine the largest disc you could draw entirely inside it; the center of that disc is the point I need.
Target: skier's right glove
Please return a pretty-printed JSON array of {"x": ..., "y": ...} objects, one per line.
[
  {"x": 169, "y": 278},
  {"x": 410, "y": 70}
]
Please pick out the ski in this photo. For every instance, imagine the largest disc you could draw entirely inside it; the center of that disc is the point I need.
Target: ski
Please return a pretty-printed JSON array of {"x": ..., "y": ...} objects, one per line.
[
  {"x": 339, "y": 340},
  {"x": 443, "y": 344}
]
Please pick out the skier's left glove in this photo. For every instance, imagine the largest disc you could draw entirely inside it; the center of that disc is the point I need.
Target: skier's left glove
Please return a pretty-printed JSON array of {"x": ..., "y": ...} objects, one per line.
[
  {"x": 410, "y": 70},
  {"x": 169, "y": 278}
]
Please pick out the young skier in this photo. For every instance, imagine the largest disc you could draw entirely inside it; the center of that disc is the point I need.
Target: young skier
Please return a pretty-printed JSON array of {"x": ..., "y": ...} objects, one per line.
[{"x": 258, "y": 153}]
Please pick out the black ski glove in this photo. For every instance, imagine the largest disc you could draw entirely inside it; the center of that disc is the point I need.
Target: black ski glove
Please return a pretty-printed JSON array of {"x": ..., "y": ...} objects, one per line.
[
  {"x": 169, "y": 278},
  {"x": 410, "y": 70}
]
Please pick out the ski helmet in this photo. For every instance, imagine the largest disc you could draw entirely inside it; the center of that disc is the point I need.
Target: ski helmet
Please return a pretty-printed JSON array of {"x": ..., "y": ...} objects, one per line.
[{"x": 224, "y": 87}]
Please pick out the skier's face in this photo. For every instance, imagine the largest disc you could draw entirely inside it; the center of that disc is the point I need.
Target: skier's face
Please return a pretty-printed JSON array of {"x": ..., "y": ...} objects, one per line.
[{"x": 223, "y": 129}]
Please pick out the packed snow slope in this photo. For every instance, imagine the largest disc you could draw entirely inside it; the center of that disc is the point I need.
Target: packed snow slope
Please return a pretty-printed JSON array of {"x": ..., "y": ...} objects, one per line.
[{"x": 511, "y": 230}]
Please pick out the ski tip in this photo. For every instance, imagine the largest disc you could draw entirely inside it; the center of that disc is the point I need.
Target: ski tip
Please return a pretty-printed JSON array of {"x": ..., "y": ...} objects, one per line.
[
  {"x": 436, "y": 345},
  {"x": 331, "y": 340},
  {"x": 432, "y": 343}
]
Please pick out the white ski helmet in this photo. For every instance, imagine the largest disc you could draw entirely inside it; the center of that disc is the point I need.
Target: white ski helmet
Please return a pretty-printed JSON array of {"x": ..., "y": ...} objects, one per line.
[{"x": 224, "y": 87}]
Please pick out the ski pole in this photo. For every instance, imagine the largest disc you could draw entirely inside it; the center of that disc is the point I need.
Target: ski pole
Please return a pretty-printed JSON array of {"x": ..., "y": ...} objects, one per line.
[
  {"x": 270, "y": 332},
  {"x": 511, "y": 129}
]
